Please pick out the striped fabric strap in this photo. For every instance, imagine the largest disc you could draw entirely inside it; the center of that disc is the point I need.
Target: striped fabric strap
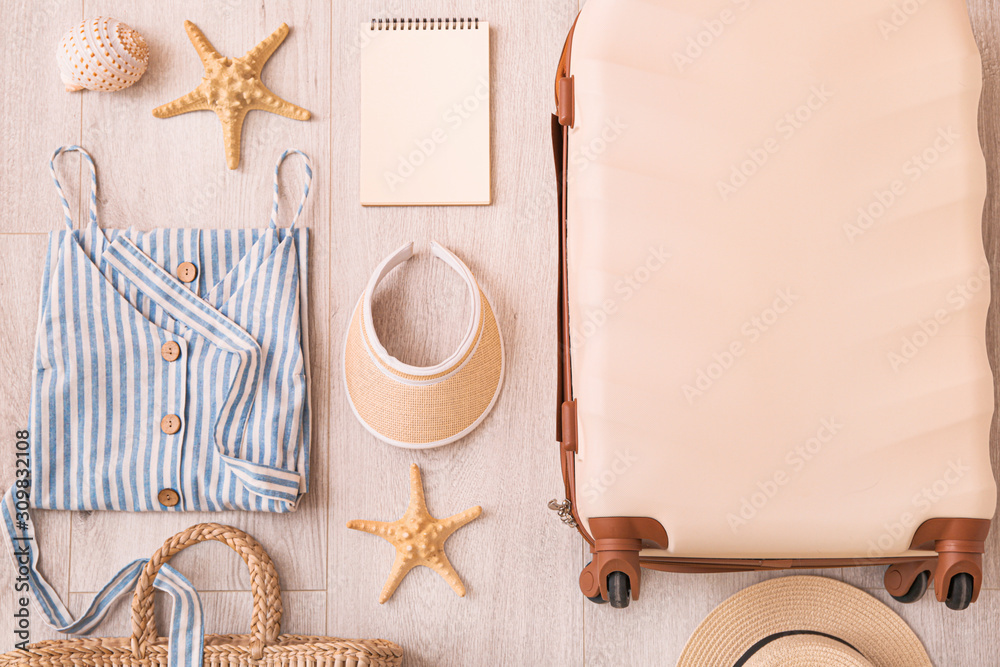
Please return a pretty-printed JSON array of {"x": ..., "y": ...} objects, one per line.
[
  {"x": 187, "y": 624},
  {"x": 93, "y": 183},
  {"x": 305, "y": 189}
]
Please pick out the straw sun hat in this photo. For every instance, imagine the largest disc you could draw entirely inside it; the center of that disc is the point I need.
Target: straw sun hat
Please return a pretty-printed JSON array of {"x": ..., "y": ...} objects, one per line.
[
  {"x": 803, "y": 622},
  {"x": 421, "y": 407}
]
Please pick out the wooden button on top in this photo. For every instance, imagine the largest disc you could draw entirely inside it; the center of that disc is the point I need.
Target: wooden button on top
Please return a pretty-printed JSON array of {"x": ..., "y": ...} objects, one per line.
[
  {"x": 168, "y": 497},
  {"x": 170, "y": 350},
  {"x": 186, "y": 272},
  {"x": 170, "y": 424}
]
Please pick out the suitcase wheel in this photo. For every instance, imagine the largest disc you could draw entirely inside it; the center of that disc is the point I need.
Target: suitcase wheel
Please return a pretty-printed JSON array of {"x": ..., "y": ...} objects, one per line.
[
  {"x": 597, "y": 599},
  {"x": 960, "y": 591},
  {"x": 917, "y": 589},
  {"x": 620, "y": 590}
]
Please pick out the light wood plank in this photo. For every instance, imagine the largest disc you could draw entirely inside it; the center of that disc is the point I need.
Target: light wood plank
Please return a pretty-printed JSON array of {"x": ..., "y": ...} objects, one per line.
[
  {"x": 954, "y": 639},
  {"x": 517, "y": 561},
  {"x": 36, "y": 113},
  {"x": 172, "y": 173}
]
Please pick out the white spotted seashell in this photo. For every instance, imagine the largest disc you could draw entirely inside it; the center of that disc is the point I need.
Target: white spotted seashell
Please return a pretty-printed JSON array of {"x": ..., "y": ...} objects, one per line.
[{"x": 101, "y": 54}]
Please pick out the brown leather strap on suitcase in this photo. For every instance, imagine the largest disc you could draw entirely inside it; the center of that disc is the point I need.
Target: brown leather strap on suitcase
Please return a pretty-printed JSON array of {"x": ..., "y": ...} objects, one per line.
[
  {"x": 562, "y": 120},
  {"x": 564, "y": 83},
  {"x": 565, "y": 405}
]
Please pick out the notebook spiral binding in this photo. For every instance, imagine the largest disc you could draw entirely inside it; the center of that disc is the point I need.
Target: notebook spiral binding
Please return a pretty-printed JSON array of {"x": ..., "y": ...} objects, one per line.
[{"x": 426, "y": 24}]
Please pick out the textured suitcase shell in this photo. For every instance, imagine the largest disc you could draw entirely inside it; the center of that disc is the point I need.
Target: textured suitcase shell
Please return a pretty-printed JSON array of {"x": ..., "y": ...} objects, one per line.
[{"x": 776, "y": 288}]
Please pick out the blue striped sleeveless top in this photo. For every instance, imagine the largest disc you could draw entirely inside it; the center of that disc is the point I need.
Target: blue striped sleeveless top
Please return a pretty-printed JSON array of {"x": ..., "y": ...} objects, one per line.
[{"x": 170, "y": 373}]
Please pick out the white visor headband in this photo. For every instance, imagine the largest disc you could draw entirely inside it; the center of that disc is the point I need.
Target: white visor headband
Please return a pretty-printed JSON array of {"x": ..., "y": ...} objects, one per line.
[{"x": 423, "y": 406}]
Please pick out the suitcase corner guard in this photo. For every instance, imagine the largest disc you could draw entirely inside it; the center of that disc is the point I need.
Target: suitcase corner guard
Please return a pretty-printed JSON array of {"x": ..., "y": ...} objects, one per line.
[
  {"x": 960, "y": 544},
  {"x": 617, "y": 543}
]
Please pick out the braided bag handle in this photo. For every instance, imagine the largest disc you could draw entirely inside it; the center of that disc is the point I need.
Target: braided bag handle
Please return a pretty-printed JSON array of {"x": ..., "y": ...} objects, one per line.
[{"x": 265, "y": 624}]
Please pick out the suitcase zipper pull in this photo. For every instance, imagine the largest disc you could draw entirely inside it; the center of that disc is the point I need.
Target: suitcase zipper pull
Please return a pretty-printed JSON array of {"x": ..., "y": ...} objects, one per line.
[{"x": 565, "y": 511}]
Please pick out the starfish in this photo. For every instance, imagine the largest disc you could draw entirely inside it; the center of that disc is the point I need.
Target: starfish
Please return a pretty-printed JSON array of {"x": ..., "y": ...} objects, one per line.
[
  {"x": 418, "y": 538},
  {"x": 231, "y": 87}
]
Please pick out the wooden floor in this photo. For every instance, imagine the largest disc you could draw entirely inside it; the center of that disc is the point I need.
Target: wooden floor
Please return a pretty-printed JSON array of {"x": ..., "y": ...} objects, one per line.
[{"x": 519, "y": 563}]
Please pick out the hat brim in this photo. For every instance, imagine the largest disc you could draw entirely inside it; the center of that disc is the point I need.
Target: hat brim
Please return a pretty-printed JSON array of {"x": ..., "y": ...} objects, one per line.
[
  {"x": 414, "y": 413},
  {"x": 803, "y": 604}
]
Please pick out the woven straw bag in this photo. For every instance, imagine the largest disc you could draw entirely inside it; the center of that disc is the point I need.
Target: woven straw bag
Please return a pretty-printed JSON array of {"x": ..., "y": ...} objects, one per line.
[{"x": 263, "y": 647}]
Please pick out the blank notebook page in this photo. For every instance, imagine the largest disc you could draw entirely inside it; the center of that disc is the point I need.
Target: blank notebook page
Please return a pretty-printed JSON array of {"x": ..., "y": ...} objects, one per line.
[{"x": 425, "y": 113}]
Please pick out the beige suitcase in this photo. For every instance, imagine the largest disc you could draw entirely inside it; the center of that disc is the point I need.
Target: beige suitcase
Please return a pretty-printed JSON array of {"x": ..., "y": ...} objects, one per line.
[{"x": 773, "y": 291}]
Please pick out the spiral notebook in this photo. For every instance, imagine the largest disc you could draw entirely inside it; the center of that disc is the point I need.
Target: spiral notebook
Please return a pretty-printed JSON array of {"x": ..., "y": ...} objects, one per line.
[{"x": 425, "y": 112}]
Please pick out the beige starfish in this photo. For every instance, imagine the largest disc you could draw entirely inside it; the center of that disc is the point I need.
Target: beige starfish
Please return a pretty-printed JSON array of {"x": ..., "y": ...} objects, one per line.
[
  {"x": 231, "y": 87},
  {"x": 418, "y": 538}
]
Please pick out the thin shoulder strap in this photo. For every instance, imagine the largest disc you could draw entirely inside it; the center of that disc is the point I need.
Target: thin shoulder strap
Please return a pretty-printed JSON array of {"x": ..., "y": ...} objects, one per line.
[
  {"x": 93, "y": 183},
  {"x": 305, "y": 189}
]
